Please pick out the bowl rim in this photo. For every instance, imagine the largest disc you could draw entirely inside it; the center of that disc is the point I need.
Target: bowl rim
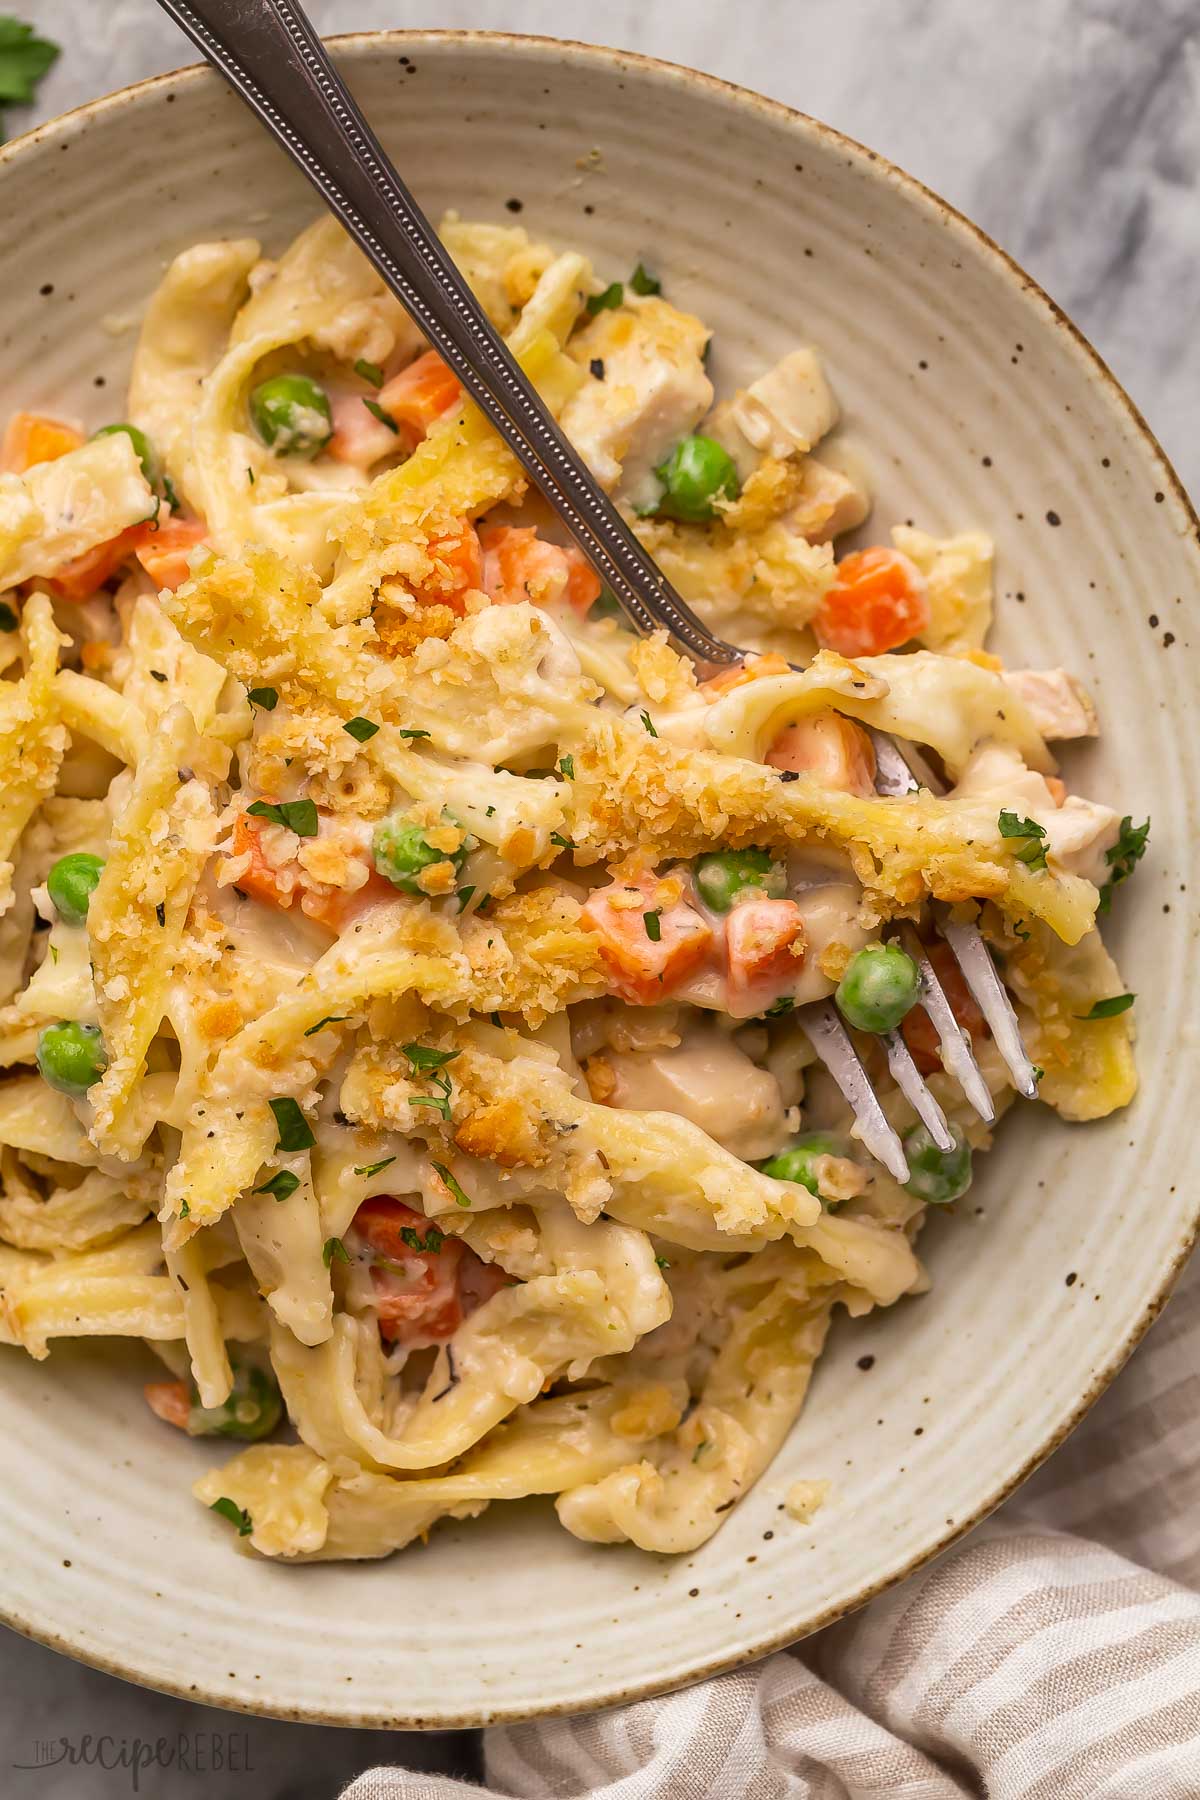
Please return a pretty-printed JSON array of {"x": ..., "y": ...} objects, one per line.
[{"x": 803, "y": 125}]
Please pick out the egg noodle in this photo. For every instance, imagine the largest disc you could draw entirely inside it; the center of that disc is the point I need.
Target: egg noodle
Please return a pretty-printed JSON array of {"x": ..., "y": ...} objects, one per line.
[{"x": 399, "y": 956}]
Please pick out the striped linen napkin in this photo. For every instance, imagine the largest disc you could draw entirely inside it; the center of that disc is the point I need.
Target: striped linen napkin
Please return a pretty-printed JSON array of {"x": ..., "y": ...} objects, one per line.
[{"x": 1053, "y": 1655}]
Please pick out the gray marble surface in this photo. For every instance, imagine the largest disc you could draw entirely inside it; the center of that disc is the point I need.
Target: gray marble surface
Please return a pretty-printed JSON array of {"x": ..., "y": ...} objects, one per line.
[{"x": 1069, "y": 129}]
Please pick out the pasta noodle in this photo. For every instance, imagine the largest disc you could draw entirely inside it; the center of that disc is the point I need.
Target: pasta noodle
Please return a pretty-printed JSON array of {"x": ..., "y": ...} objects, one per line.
[{"x": 403, "y": 966}]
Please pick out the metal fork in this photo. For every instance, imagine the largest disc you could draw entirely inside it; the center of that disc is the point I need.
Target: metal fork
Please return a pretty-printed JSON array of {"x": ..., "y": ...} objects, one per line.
[{"x": 273, "y": 59}]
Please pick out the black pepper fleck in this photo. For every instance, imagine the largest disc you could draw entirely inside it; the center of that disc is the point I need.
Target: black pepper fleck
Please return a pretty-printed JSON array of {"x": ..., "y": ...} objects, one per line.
[
  {"x": 514, "y": 206},
  {"x": 1168, "y": 639},
  {"x": 47, "y": 287},
  {"x": 1159, "y": 498},
  {"x": 1052, "y": 518},
  {"x": 1072, "y": 1278},
  {"x": 1153, "y": 621},
  {"x": 866, "y": 1362}
]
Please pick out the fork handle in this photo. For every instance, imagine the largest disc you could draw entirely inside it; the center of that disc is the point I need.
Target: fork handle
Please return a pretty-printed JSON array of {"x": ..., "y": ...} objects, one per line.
[{"x": 270, "y": 55}]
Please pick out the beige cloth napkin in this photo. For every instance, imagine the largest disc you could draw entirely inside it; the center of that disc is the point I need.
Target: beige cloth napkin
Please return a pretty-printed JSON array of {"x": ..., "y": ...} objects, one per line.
[{"x": 1053, "y": 1655}]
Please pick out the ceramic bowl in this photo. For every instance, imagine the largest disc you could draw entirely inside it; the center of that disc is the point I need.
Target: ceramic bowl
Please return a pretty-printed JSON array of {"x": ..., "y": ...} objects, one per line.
[{"x": 978, "y": 405}]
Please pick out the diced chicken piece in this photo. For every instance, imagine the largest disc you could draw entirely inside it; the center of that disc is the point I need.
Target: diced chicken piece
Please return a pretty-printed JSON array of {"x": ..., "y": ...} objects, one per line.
[
  {"x": 1078, "y": 832},
  {"x": 788, "y": 409},
  {"x": 709, "y": 1081},
  {"x": 1059, "y": 704},
  {"x": 647, "y": 390},
  {"x": 831, "y": 501},
  {"x": 829, "y": 746}
]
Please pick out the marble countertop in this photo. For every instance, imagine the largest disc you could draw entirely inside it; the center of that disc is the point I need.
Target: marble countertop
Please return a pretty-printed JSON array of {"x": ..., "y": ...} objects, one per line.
[{"x": 1067, "y": 129}]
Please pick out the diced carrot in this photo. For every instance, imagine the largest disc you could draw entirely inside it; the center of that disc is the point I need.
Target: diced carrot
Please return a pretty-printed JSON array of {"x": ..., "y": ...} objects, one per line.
[
  {"x": 765, "y": 944},
  {"x": 1058, "y": 789},
  {"x": 86, "y": 574},
  {"x": 917, "y": 1027},
  {"x": 422, "y": 1295},
  {"x": 163, "y": 552},
  {"x": 419, "y": 395},
  {"x": 170, "y": 1401},
  {"x": 738, "y": 674},
  {"x": 263, "y": 881},
  {"x": 644, "y": 967},
  {"x": 830, "y": 747},
  {"x": 878, "y": 601},
  {"x": 519, "y": 565},
  {"x": 31, "y": 438},
  {"x": 458, "y": 566}
]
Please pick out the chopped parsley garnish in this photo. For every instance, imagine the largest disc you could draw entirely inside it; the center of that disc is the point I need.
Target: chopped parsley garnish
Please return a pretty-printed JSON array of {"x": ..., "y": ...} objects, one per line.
[
  {"x": 452, "y": 1186},
  {"x": 299, "y": 816},
  {"x": 653, "y": 923},
  {"x": 463, "y": 896},
  {"x": 612, "y": 296},
  {"x": 172, "y": 498},
  {"x": 402, "y": 731},
  {"x": 701, "y": 1447},
  {"x": 237, "y": 1515},
  {"x": 1034, "y": 853},
  {"x": 1124, "y": 857},
  {"x": 294, "y": 1130},
  {"x": 185, "y": 1210},
  {"x": 563, "y": 843},
  {"x": 280, "y": 1185},
  {"x": 267, "y": 698},
  {"x": 334, "y": 1251},
  {"x": 777, "y": 1007},
  {"x": 374, "y": 1168},
  {"x": 430, "y": 1244},
  {"x": 642, "y": 282},
  {"x": 385, "y": 418},
  {"x": 421, "y": 1057},
  {"x": 361, "y": 729},
  {"x": 369, "y": 371},
  {"x": 1022, "y": 931},
  {"x": 662, "y": 1262},
  {"x": 158, "y": 675},
  {"x": 1108, "y": 1009},
  {"x": 24, "y": 59},
  {"x": 567, "y": 765},
  {"x": 596, "y": 367},
  {"x": 648, "y": 724},
  {"x": 329, "y": 1019},
  {"x": 8, "y": 618}
]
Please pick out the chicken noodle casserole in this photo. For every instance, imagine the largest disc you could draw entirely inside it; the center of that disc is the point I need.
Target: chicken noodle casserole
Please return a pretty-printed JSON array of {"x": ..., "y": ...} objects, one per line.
[{"x": 401, "y": 959}]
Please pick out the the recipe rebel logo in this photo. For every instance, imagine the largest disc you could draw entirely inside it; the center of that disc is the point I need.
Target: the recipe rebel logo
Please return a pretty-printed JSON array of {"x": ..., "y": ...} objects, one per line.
[{"x": 190, "y": 1753}]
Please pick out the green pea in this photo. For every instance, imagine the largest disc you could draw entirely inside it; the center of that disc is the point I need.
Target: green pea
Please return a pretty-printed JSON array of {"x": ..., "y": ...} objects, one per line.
[
  {"x": 697, "y": 473},
  {"x": 71, "y": 884},
  {"x": 796, "y": 1162},
  {"x": 723, "y": 875},
  {"x": 71, "y": 1056},
  {"x": 292, "y": 415},
  {"x": 253, "y": 1409},
  {"x": 937, "y": 1176},
  {"x": 141, "y": 444},
  {"x": 402, "y": 851},
  {"x": 878, "y": 988}
]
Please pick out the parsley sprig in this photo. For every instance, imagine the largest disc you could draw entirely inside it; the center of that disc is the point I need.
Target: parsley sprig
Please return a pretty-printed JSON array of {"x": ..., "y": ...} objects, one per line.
[
  {"x": 24, "y": 59},
  {"x": 1033, "y": 853},
  {"x": 1124, "y": 857}
]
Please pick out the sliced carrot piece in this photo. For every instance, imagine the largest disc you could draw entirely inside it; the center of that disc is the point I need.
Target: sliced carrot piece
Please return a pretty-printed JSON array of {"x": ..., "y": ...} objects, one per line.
[
  {"x": 86, "y": 574},
  {"x": 170, "y": 1401},
  {"x": 765, "y": 944},
  {"x": 830, "y": 747},
  {"x": 738, "y": 674},
  {"x": 878, "y": 601},
  {"x": 458, "y": 566},
  {"x": 650, "y": 939},
  {"x": 163, "y": 552},
  {"x": 419, "y": 395},
  {"x": 284, "y": 889},
  {"x": 917, "y": 1027},
  {"x": 519, "y": 565},
  {"x": 31, "y": 438},
  {"x": 421, "y": 1296}
]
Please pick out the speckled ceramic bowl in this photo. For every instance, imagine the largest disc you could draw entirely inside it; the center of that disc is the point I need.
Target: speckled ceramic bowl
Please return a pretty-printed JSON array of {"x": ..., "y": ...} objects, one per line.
[{"x": 978, "y": 405}]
